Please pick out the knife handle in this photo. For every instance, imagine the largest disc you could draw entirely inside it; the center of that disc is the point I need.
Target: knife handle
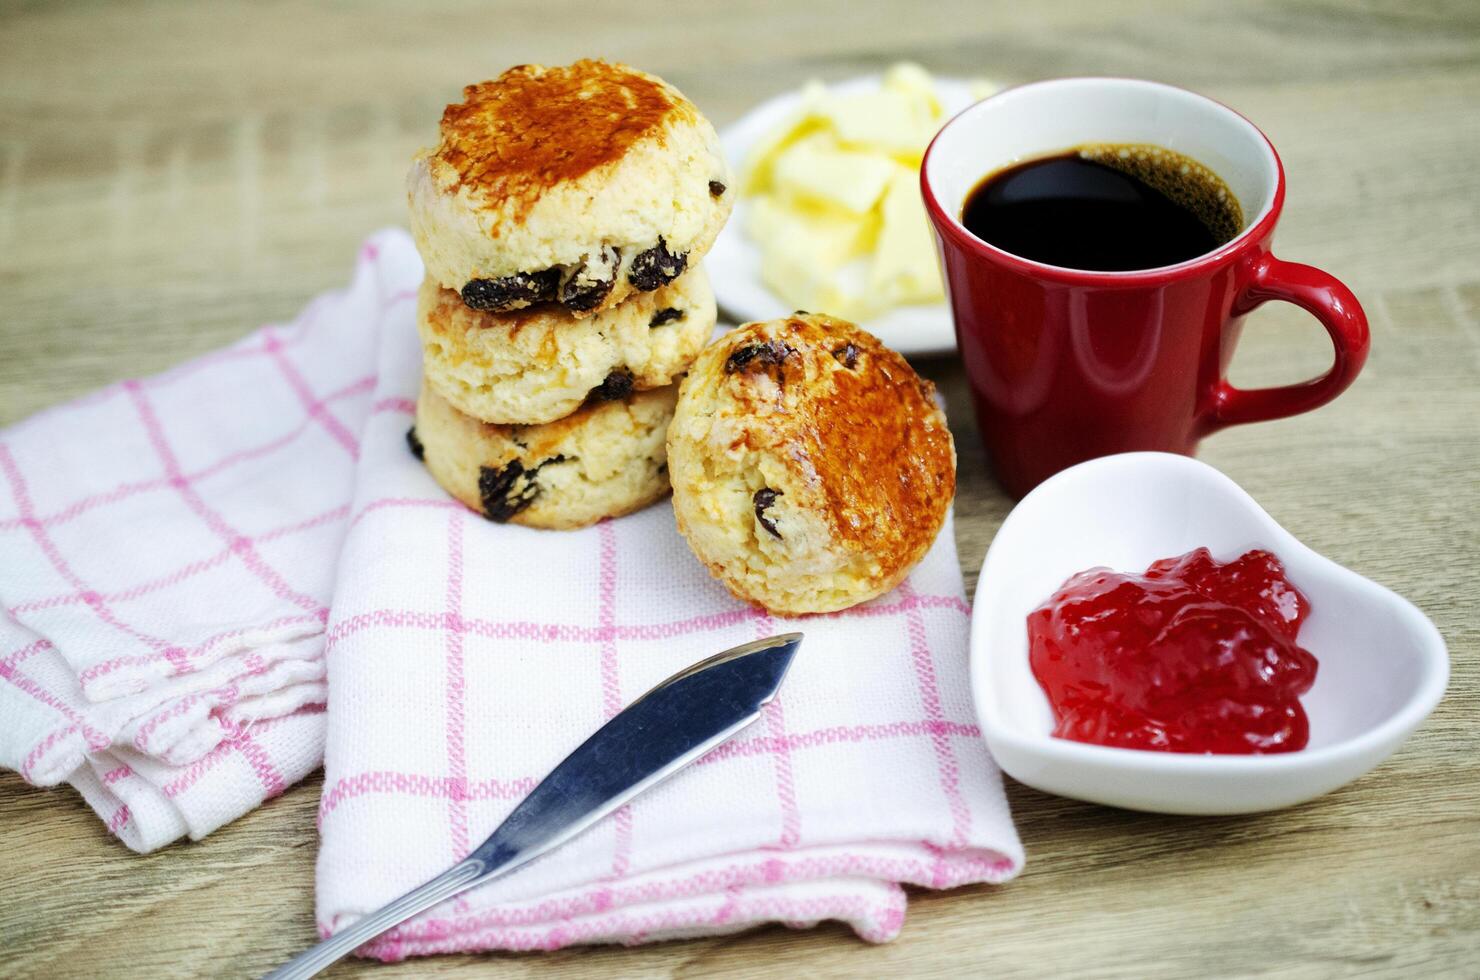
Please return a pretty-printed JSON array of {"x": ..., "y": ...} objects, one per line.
[
  {"x": 647, "y": 742},
  {"x": 444, "y": 886}
]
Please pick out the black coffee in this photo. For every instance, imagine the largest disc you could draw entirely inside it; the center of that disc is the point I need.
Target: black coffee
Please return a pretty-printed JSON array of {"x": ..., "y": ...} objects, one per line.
[{"x": 1106, "y": 208}]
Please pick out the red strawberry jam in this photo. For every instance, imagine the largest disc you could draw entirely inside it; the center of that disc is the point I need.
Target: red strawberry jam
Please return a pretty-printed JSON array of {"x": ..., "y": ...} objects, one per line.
[{"x": 1193, "y": 656}]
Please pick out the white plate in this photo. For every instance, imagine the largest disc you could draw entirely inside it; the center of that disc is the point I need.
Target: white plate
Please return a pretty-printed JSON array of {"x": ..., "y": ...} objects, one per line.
[
  {"x": 1382, "y": 664},
  {"x": 734, "y": 262}
]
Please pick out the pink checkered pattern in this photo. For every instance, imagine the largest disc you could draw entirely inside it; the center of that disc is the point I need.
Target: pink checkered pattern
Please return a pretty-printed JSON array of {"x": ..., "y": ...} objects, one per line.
[
  {"x": 467, "y": 658},
  {"x": 167, "y": 556},
  {"x": 176, "y": 599}
]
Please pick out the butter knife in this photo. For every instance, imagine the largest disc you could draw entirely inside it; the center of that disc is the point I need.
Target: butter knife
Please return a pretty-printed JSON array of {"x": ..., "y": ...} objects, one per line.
[{"x": 657, "y": 735}]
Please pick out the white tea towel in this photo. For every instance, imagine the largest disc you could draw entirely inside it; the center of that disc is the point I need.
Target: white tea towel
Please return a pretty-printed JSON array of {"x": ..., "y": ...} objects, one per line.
[
  {"x": 167, "y": 552},
  {"x": 467, "y": 658},
  {"x": 464, "y": 660}
]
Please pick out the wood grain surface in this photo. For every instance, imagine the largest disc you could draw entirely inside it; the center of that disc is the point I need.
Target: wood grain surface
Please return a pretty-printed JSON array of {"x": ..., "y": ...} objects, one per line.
[{"x": 171, "y": 176}]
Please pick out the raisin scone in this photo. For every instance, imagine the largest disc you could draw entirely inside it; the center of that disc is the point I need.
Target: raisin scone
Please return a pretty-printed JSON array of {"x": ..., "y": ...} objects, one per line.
[
  {"x": 604, "y": 461},
  {"x": 577, "y": 185},
  {"x": 811, "y": 466},
  {"x": 537, "y": 365}
]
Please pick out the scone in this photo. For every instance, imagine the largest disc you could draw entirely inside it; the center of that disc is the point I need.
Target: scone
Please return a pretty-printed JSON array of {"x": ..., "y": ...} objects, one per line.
[
  {"x": 811, "y": 467},
  {"x": 604, "y": 461},
  {"x": 578, "y": 185},
  {"x": 537, "y": 365}
]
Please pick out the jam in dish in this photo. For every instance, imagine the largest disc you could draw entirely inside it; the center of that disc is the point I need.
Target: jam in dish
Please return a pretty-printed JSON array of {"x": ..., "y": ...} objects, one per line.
[{"x": 1195, "y": 655}]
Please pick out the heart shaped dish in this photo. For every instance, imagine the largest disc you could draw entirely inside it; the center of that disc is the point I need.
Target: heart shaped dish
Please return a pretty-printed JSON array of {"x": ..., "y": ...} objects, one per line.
[{"x": 1383, "y": 665}]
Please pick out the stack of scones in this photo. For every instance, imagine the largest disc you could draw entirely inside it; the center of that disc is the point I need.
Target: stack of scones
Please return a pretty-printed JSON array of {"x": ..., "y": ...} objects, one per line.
[{"x": 561, "y": 220}]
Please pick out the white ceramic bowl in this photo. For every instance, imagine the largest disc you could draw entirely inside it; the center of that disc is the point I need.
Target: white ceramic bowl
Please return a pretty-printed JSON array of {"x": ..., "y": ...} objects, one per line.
[
  {"x": 1383, "y": 665},
  {"x": 734, "y": 263}
]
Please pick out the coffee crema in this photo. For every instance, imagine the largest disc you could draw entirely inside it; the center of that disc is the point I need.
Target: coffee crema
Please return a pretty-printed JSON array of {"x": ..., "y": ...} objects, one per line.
[{"x": 1105, "y": 207}]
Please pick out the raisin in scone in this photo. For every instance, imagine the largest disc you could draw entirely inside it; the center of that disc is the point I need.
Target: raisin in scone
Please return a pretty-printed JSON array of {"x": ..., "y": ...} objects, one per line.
[
  {"x": 811, "y": 467},
  {"x": 604, "y": 461},
  {"x": 577, "y": 185},
  {"x": 537, "y": 365}
]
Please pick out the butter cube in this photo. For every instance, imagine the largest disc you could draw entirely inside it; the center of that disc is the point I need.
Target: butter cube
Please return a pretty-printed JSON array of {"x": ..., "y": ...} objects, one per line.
[
  {"x": 816, "y": 171},
  {"x": 909, "y": 79},
  {"x": 755, "y": 171},
  {"x": 837, "y": 301},
  {"x": 904, "y": 267},
  {"x": 765, "y": 216},
  {"x": 834, "y": 201},
  {"x": 885, "y": 121},
  {"x": 790, "y": 276},
  {"x": 820, "y": 237}
]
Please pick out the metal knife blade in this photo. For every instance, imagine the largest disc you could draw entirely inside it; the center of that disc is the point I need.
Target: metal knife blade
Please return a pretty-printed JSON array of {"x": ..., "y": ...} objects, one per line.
[{"x": 661, "y": 732}]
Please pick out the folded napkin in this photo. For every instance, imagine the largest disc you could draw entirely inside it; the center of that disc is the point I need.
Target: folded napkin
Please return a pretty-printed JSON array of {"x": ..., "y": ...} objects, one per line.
[
  {"x": 168, "y": 550},
  {"x": 184, "y": 596},
  {"x": 47, "y": 723}
]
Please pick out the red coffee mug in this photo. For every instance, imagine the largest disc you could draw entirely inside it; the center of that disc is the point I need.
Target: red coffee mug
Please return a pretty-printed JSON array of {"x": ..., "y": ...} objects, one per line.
[{"x": 1067, "y": 364}]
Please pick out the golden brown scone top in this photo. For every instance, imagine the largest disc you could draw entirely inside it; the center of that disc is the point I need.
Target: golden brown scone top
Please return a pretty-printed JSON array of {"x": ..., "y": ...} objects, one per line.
[
  {"x": 853, "y": 419},
  {"x": 533, "y": 127}
]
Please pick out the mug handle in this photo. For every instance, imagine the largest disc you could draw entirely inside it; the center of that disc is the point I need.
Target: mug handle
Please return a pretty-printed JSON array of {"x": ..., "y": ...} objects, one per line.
[{"x": 1325, "y": 298}]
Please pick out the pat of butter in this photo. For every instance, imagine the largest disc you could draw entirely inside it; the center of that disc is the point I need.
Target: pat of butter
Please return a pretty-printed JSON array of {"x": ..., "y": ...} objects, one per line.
[
  {"x": 904, "y": 268},
  {"x": 849, "y": 306},
  {"x": 833, "y": 200},
  {"x": 790, "y": 267},
  {"x": 789, "y": 272},
  {"x": 908, "y": 78},
  {"x": 846, "y": 179},
  {"x": 755, "y": 171},
  {"x": 821, "y": 237},
  {"x": 886, "y": 121}
]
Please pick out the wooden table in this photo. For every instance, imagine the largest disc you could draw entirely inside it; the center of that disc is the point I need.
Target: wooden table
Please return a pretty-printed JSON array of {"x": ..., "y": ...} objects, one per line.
[{"x": 172, "y": 176}]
